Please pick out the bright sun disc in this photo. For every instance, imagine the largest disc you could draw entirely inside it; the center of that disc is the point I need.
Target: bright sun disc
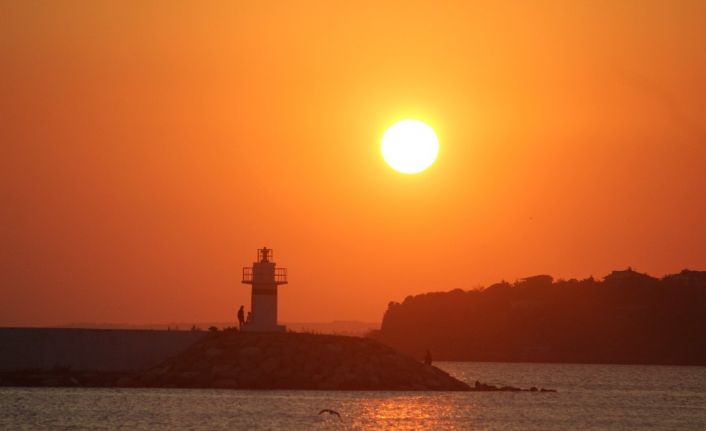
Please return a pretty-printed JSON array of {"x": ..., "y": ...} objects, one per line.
[{"x": 409, "y": 146}]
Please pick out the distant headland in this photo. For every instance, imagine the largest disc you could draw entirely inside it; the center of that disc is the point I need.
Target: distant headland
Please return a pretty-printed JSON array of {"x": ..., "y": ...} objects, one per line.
[{"x": 627, "y": 318}]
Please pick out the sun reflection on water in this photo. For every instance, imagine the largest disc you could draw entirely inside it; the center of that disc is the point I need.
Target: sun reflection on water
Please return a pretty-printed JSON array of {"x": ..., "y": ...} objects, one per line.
[{"x": 404, "y": 413}]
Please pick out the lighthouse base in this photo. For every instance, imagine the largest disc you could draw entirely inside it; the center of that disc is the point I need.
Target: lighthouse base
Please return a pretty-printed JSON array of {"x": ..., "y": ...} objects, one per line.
[{"x": 253, "y": 327}]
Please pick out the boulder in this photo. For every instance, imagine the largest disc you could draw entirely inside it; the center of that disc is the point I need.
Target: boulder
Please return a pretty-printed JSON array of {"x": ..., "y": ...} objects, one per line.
[{"x": 212, "y": 352}]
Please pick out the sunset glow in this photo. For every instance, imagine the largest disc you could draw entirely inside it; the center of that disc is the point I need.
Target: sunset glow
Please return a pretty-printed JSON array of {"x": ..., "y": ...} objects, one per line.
[
  {"x": 369, "y": 214},
  {"x": 148, "y": 150}
]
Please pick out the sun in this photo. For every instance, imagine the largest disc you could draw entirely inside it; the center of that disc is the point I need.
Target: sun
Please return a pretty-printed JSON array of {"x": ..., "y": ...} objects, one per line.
[{"x": 410, "y": 146}]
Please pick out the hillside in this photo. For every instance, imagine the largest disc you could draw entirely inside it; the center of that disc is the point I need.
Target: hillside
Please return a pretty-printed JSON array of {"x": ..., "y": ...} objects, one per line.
[{"x": 628, "y": 317}]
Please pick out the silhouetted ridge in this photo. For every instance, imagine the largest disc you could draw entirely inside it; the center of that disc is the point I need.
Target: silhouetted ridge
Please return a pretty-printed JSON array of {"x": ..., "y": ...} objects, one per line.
[{"x": 627, "y": 318}]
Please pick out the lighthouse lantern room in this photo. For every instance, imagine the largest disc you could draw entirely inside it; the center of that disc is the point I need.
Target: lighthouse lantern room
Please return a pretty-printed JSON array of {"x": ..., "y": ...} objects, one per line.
[{"x": 265, "y": 279}]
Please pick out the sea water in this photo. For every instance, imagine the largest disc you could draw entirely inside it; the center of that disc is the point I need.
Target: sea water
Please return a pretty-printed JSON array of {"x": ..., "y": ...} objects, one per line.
[{"x": 589, "y": 397}]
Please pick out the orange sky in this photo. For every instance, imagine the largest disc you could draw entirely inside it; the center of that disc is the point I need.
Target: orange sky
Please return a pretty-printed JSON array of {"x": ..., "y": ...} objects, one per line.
[{"x": 147, "y": 149}]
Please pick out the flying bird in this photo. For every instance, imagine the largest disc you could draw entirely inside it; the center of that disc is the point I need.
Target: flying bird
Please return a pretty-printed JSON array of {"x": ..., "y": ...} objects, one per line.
[{"x": 331, "y": 412}]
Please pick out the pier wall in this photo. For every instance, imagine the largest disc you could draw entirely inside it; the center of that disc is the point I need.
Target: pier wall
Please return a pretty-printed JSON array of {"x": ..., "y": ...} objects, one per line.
[{"x": 90, "y": 349}]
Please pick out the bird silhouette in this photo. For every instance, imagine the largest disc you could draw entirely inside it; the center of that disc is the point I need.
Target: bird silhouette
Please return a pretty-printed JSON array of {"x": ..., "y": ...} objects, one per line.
[{"x": 331, "y": 412}]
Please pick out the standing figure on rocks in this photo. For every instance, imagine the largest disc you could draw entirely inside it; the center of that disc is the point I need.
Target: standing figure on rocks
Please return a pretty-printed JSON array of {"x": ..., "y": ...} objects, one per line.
[
  {"x": 427, "y": 358},
  {"x": 241, "y": 317}
]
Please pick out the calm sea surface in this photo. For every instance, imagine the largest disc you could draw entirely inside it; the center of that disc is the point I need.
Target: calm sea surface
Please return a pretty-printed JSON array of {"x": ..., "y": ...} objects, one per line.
[{"x": 600, "y": 397}]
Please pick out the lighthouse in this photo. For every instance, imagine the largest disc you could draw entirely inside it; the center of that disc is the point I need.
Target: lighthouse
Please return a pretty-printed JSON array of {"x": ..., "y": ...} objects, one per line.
[{"x": 265, "y": 279}]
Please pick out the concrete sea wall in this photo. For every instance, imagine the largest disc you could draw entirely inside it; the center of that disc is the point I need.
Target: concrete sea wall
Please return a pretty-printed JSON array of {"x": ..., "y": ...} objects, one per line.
[{"x": 90, "y": 349}]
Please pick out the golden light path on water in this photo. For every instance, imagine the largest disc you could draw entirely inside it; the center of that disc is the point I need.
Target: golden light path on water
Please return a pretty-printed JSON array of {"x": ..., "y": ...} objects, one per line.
[{"x": 405, "y": 413}]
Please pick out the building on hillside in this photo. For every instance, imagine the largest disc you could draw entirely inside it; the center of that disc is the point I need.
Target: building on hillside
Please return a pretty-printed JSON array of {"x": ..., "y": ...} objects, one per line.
[
  {"x": 628, "y": 276},
  {"x": 688, "y": 278},
  {"x": 537, "y": 280}
]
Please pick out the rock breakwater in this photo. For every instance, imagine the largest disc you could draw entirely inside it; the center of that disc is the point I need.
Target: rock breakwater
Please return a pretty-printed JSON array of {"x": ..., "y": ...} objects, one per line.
[{"x": 232, "y": 359}]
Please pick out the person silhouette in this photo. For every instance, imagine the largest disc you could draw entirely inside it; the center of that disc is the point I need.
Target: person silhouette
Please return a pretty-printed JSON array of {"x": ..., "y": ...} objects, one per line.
[
  {"x": 427, "y": 358},
  {"x": 249, "y": 319},
  {"x": 241, "y": 317}
]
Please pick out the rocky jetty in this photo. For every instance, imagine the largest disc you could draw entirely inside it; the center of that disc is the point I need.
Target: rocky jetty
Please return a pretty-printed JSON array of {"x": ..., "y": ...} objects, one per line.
[
  {"x": 232, "y": 359},
  {"x": 63, "y": 377},
  {"x": 484, "y": 387}
]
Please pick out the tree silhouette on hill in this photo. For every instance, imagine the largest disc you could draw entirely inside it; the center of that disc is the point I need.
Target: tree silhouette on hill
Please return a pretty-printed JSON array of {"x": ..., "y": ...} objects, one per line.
[{"x": 629, "y": 317}]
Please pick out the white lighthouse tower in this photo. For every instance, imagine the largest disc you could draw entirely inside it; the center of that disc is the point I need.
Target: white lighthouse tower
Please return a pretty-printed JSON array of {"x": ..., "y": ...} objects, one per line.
[{"x": 264, "y": 278}]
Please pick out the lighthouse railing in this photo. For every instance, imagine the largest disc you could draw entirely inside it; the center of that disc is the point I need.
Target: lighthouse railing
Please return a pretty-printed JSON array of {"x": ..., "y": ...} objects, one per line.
[
  {"x": 280, "y": 275},
  {"x": 247, "y": 274}
]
